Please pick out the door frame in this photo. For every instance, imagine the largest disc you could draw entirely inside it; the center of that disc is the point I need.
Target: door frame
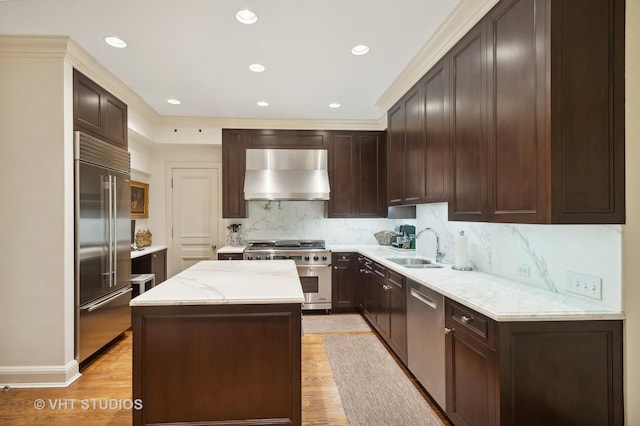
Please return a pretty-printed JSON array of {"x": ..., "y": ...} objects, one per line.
[{"x": 169, "y": 167}]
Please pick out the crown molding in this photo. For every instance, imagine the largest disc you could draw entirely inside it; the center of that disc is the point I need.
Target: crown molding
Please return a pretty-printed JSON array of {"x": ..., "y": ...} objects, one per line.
[
  {"x": 269, "y": 123},
  {"x": 464, "y": 16},
  {"x": 54, "y": 47}
]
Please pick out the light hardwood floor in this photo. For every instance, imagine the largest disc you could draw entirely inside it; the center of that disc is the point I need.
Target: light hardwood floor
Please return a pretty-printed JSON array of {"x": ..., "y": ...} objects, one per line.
[{"x": 97, "y": 398}]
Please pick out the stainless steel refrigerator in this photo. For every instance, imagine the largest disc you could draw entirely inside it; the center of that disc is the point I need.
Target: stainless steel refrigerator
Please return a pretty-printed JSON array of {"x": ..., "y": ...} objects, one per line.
[{"x": 102, "y": 243}]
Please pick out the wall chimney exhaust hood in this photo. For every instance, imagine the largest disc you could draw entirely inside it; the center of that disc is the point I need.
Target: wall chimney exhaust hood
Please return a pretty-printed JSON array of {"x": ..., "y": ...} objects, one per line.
[{"x": 286, "y": 174}]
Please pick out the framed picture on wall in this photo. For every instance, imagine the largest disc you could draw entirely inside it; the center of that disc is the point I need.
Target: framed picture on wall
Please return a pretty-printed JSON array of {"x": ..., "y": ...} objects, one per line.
[{"x": 139, "y": 200}]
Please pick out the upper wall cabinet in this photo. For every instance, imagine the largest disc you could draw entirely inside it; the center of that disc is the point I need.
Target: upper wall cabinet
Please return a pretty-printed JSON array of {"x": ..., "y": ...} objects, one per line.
[
  {"x": 98, "y": 112},
  {"x": 357, "y": 162},
  {"x": 418, "y": 142},
  {"x": 233, "y": 170},
  {"x": 537, "y": 108}
]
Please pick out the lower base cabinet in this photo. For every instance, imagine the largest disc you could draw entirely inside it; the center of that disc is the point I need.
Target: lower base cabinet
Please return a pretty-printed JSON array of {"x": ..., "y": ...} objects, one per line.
[
  {"x": 152, "y": 263},
  {"x": 345, "y": 288},
  {"x": 532, "y": 373}
]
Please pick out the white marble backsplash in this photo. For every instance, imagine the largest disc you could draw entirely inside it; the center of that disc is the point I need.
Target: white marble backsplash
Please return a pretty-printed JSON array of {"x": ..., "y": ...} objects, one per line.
[
  {"x": 307, "y": 220},
  {"x": 549, "y": 251}
]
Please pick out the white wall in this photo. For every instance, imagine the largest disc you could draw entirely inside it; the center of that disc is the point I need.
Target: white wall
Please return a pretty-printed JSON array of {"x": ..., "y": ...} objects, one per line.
[
  {"x": 36, "y": 219},
  {"x": 631, "y": 231}
]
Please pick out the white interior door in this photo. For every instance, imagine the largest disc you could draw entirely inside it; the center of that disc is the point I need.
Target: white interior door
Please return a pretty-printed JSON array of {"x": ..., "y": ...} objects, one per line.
[{"x": 194, "y": 215}]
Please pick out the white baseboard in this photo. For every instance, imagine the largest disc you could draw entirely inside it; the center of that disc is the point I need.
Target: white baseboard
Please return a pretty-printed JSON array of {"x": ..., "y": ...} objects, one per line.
[{"x": 39, "y": 376}]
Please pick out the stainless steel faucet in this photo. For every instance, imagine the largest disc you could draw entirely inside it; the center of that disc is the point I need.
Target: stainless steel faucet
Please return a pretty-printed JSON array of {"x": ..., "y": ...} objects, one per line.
[{"x": 439, "y": 254}]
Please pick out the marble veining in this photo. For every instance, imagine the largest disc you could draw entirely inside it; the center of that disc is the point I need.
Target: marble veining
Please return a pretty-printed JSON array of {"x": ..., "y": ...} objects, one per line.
[{"x": 228, "y": 282}]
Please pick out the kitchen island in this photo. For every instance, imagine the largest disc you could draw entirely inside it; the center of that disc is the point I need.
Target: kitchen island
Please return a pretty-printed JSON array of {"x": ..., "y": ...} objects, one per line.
[{"x": 220, "y": 343}]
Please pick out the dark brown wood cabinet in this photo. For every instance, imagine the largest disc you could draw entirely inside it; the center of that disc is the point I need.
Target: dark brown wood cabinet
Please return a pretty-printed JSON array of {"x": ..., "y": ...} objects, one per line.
[
  {"x": 532, "y": 373},
  {"x": 384, "y": 304},
  {"x": 97, "y": 112},
  {"x": 345, "y": 282},
  {"x": 395, "y": 290},
  {"x": 418, "y": 141},
  {"x": 233, "y": 170},
  {"x": 468, "y": 194},
  {"x": 357, "y": 166},
  {"x": 435, "y": 99},
  {"x": 217, "y": 364},
  {"x": 230, "y": 256},
  {"x": 356, "y": 163},
  {"x": 537, "y": 105},
  {"x": 152, "y": 263}
]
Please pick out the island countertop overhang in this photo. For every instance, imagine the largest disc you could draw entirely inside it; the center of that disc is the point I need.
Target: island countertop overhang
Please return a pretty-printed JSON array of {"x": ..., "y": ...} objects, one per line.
[{"x": 228, "y": 282}]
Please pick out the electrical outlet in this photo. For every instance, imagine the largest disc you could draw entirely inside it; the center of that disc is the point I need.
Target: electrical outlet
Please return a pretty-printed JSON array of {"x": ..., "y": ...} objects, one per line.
[
  {"x": 584, "y": 285},
  {"x": 524, "y": 270}
]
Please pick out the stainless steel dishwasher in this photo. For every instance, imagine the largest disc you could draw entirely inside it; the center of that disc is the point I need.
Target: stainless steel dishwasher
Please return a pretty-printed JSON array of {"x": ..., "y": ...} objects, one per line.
[{"x": 425, "y": 339}]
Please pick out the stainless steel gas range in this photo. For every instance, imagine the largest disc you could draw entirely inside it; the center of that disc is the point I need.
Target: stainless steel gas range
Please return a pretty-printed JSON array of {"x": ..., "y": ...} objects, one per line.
[{"x": 312, "y": 259}]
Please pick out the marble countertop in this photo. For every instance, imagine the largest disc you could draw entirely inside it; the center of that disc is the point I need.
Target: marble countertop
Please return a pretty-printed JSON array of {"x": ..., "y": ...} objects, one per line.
[
  {"x": 212, "y": 282},
  {"x": 147, "y": 250},
  {"x": 498, "y": 298},
  {"x": 232, "y": 248}
]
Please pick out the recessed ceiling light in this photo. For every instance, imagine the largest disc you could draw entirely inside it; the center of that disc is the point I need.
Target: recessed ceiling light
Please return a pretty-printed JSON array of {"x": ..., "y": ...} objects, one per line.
[
  {"x": 263, "y": 103},
  {"x": 115, "y": 42},
  {"x": 257, "y": 67},
  {"x": 246, "y": 16},
  {"x": 360, "y": 50},
  {"x": 335, "y": 105},
  {"x": 174, "y": 101}
]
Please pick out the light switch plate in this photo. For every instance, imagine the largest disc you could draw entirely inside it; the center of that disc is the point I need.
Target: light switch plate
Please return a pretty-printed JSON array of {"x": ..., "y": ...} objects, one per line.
[{"x": 584, "y": 285}]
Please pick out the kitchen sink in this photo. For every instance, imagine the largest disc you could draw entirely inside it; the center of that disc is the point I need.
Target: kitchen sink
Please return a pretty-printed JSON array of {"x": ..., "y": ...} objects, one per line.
[{"x": 414, "y": 262}]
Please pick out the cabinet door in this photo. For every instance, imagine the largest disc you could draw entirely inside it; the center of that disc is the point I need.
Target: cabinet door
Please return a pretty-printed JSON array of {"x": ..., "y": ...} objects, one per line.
[
  {"x": 115, "y": 121},
  {"x": 414, "y": 147},
  {"x": 395, "y": 155},
  {"x": 435, "y": 95},
  {"x": 468, "y": 117},
  {"x": 233, "y": 169},
  {"x": 471, "y": 376},
  {"x": 87, "y": 105},
  {"x": 159, "y": 265},
  {"x": 517, "y": 149},
  {"x": 343, "y": 174},
  {"x": 397, "y": 314},
  {"x": 344, "y": 280},
  {"x": 587, "y": 62},
  {"x": 367, "y": 285},
  {"x": 370, "y": 187}
]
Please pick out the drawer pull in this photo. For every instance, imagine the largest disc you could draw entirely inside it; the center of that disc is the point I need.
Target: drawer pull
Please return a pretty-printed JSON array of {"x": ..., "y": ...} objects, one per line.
[
  {"x": 449, "y": 330},
  {"x": 465, "y": 319}
]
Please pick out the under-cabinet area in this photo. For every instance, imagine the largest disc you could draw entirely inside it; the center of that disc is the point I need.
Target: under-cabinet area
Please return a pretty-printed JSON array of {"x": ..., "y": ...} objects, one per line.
[{"x": 500, "y": 366}]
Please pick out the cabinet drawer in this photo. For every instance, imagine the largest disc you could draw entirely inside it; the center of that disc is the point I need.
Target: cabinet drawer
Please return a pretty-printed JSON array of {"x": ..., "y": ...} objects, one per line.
[
  {"x": 342, "y": 258},
  {"x": 379, "y": 272},
  {"x": 230, "y": 256},
  {"x": 461, "y": 318},
  {"x": 395, "y": 280}
]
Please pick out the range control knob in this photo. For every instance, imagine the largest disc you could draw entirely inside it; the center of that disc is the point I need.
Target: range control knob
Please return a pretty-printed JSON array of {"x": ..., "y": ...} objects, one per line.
[
  {"x": 306, "y": 258},
  {"x": 315, "y": 257},
  {"x": 324, "y": 257},
  {"x": 258, "y": 258},
  {"x": 249, "y": 257}
]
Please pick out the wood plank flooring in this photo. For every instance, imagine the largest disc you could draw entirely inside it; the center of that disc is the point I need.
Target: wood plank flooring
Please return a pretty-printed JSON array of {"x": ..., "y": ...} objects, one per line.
[{"x": 101, "y": 397}]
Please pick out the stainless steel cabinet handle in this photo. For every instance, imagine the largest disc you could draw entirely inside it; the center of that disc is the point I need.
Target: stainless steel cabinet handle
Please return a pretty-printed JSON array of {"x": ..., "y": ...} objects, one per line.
[
  {"x": 465, "y": 319},
  {"x": 109, "y": 300},
  {"x": 449, "y": 330}
]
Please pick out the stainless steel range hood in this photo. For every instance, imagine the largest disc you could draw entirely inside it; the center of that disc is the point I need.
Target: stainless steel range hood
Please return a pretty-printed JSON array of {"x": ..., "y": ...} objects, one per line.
[{"x": 286, "y": 174}]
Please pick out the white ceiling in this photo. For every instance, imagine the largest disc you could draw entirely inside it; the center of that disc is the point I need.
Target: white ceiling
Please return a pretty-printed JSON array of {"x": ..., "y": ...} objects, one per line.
[{"x": 196, "y": 51}]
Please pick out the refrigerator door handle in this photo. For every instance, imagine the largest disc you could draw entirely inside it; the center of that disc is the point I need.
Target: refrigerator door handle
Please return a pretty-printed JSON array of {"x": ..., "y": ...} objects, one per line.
[
  {"x": 98, "y": 305},
  {"x": 114, "y": 236},
  {"x": 110, "y": 231}
]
